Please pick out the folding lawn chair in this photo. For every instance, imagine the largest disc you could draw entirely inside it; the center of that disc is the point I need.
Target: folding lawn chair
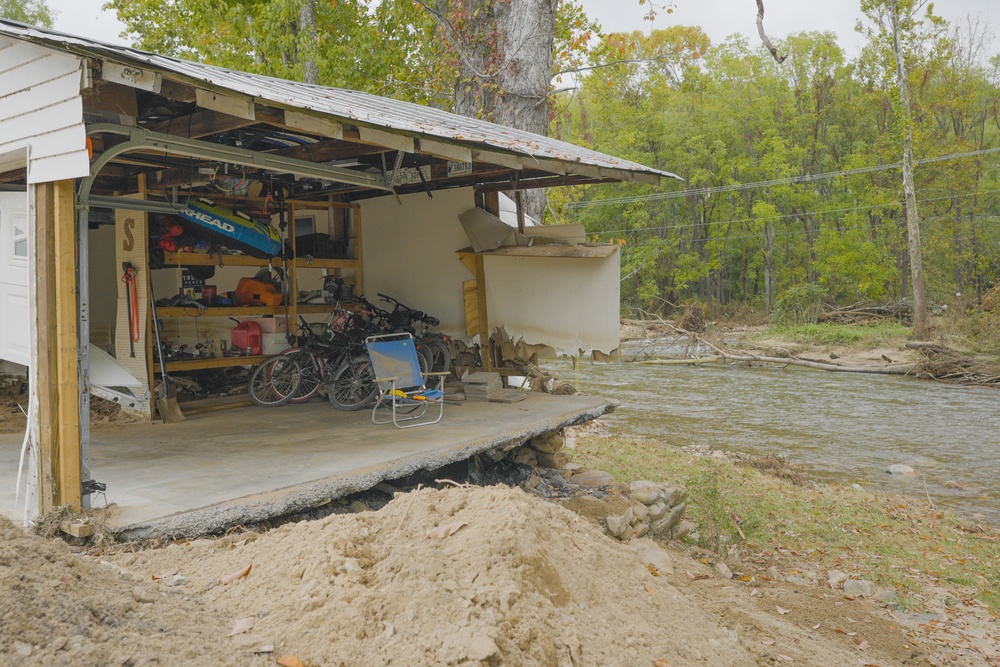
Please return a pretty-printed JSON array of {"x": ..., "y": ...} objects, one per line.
[{"x": 401, "y": 385}]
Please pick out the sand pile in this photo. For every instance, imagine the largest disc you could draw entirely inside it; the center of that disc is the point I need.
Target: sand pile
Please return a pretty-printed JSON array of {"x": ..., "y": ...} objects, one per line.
[
  {"x": 522, "y": 582},
  {"x": 59, "y": 609}
]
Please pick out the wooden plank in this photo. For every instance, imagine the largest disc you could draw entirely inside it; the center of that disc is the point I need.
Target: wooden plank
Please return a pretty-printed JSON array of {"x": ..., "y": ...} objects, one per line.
[
  {"x": 212, "y": 259},
  {"x": 207, "y": 405},
  {"x": 45, "y": 315},
  {"x": 470, "y": 295},
  {"x": 131, "y": 231},
  {"x": 468, "y": 260},
  {"x": 557, "y": 250},
  {"x": 314, "y": 124},
  {"x": 241, "y": 311},
  {"x": 375, "y": 137},
  {"x": 212, "y": 362},
  {"x": 240, "y": 106},
  {"x": 77, "y": 528},
  {"x": 68, "y": 489},
  {"x": 502, "y": 159},
  {"x": 359, "y": 267},
  {"x": 175, "y": 90},
  {"x": 446, "y": 151},
  {"x": 201, "y": 124},
  {"x": 484, "y": 320}
]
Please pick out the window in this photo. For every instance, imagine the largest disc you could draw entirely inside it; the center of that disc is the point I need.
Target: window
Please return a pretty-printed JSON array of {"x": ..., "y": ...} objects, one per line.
[{"x": 20, "y": 238}]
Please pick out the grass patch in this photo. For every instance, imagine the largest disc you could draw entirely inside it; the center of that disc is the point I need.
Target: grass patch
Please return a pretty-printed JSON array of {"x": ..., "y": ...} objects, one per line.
[
  {"x": 888, "y": 332},
  {"x": 887, "y": 539}
]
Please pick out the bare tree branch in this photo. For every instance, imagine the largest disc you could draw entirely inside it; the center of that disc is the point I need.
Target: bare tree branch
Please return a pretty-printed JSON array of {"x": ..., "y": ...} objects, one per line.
[{"x": 763, "y": 37}]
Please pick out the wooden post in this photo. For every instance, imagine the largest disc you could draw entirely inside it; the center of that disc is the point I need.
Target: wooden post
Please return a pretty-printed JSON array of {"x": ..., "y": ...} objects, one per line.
[
  {"x": 359, "y": 266},
  {"x": 484, "y": 324},
  {"x": 56, "y": 331}
]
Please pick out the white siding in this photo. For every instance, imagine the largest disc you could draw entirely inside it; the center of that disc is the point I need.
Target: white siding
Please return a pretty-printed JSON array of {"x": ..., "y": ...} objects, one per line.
[{"x": 41, "y": 110}]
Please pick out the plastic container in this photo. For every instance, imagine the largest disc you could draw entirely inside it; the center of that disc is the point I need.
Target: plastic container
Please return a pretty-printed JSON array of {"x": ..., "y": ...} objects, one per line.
[
  {"x": 271, "y": 324},
  {"x": 246, "y": 336},
  {"x": 274, "y": 343},
  {"x": 208, "y": 293},
  {"x": 251, "y": 292}
]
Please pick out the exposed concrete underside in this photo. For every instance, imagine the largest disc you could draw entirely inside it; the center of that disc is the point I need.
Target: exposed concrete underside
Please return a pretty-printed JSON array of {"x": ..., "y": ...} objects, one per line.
[{"x": 223, "y": 469}]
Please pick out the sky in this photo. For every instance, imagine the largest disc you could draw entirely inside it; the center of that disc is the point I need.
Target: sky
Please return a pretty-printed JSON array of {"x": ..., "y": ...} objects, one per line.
[{"x": 718, "y": 18}]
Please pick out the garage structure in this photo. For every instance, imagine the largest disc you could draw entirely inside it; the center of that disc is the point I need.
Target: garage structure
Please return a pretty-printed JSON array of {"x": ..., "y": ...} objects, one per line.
[{"x": 99, "y": 142}]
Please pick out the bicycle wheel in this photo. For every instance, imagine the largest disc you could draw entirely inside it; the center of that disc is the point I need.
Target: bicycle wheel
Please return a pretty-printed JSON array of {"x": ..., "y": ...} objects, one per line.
[
  {"x": 440, "y": 354},
  {"x": 352, "y": 386},
  {"x": 274, "y": 381},
  {"x": 313, "y": 372}
]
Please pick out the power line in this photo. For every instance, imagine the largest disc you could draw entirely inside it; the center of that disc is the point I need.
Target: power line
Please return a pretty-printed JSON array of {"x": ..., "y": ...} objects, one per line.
[
  {"x": 785, "y": 216},
  {"x": 793, "y": 180}
]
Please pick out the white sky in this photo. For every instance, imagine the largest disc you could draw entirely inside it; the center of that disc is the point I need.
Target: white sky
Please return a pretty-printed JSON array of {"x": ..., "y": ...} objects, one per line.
[{"x": 718, "y": 18}]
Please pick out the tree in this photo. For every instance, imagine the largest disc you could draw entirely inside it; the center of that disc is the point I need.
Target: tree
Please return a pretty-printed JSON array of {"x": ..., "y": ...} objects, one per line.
[
  {"x": 898, "y": 22},
  {"x": 32, "y": 12}
]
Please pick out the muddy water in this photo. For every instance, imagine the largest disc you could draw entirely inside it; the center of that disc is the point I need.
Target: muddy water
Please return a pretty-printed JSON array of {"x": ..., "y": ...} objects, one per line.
[{"x": 843, "y": 427}]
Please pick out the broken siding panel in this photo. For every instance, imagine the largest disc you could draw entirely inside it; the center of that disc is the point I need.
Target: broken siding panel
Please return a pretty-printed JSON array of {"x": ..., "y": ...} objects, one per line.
[
  {"x": 41, "y": 110},
  {"x": 571, "y": 305}
]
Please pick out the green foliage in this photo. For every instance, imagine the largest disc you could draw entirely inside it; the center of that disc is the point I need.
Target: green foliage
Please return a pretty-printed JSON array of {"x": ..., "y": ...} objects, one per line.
[
  {"x": 32, "y": 12},
  {"x": 801, "y": 304},
  {"x": 871, "y": 335}
]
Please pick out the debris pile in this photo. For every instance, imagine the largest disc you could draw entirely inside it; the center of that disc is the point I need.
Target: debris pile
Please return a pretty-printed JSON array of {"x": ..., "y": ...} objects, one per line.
[{"x": 462, "y": 576}]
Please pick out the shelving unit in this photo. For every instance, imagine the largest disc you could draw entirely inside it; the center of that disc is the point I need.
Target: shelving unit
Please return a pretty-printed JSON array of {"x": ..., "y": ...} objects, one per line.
[{"x": 292, "y": 311}]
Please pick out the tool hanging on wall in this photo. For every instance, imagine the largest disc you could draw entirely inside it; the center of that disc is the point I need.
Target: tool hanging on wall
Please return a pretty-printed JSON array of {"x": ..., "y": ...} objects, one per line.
[{"x": 130, "y": 278}]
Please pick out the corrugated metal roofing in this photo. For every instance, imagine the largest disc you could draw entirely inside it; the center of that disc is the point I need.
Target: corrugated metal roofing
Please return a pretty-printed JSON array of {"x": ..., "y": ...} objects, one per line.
[{"x": 348, "y": 106}]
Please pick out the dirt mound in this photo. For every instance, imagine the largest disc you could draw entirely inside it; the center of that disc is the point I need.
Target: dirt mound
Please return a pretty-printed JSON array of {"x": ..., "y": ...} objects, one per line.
[
  {"x": 57, "y": 608},
  {"x": 522, "y": 582}
]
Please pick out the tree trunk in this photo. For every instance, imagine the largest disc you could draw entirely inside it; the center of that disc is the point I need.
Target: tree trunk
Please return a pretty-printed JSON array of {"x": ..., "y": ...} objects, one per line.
[
  {"x": 769, "y": 274},
  {"x": 509, "y": 45},
  {"x": 921, "y": 317},
  {"x": 307, "y": 43}
]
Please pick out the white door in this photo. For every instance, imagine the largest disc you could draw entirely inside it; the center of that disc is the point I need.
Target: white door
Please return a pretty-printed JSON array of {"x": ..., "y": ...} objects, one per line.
[{"x": 14, "y": 311}]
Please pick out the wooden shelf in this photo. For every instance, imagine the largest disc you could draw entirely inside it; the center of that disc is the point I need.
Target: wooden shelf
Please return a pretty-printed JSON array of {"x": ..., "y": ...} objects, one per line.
[
  {"x": 199, "y": 259},
  {"x": 211, "y": 362},
  {"x": 247, "y": 311}
]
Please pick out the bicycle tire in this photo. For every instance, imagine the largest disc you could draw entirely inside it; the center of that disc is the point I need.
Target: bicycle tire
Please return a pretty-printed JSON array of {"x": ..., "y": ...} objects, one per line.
[
  {"x": 352, "y": 386},
  {"x": 440, "y": 355},
  {"x": 313, "y": 371},
  {"x": 274, "y": 381}
]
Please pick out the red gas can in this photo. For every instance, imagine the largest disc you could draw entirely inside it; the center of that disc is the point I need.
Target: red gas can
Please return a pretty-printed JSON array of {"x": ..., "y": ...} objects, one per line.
[{"x": 246, "y": 336}]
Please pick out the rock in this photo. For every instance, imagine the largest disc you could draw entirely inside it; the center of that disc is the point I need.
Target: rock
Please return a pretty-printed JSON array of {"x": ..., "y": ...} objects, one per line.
[
  {"x": 555, "y": 460},
  {"x": 900, "y": 469},
  {"x": 23, "y": 649},
  {"x": 641, "y": 529},
  {"x": 673, "y": 495},
  {"x": 653, "y": 554},
  {"x": 723, "y": 570},
  {"x": 550, "y": 443},
  {"x": 593, "y": 479},
  {"x": 143, "y": 594},
  {"x": 357, "y": 507},
  {"x": 570, "y": 469},
  {"x": 645, "y": 492},
  {"x": 772, "y": 574},
  {"x": 640, "y": 512},
  {"x": 859, "y": 588},
  {"x": 666, "y": 524},
  {"x": 683, "y": 529},
  {"x": 798, "y": 580},
  {"x": 657, "y": 510},
  {"x": 835, "y": 578},
  {"x": 619, "y": 523},
  {"x": 178, "y": 580},
  {"x": 888, "y": 597},
  {"x": 532, "y": 482},
  {"x": 526, "y": 456}
]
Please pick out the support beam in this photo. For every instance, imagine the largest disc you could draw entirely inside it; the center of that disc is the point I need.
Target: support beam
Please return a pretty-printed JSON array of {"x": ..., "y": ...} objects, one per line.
[{"x": 56, "y": 331}]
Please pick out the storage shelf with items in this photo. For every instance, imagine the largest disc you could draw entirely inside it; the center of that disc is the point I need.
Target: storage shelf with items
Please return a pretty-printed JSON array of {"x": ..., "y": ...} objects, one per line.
[{"x": 322, "y": 280}]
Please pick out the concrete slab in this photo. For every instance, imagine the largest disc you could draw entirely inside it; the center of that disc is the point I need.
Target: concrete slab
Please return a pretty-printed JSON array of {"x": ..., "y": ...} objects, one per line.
[{"x": 217, "y": 470}]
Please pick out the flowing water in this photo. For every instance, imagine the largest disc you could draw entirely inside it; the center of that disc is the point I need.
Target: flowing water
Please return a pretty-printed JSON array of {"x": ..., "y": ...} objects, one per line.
[{"x": 842, "y": 427}]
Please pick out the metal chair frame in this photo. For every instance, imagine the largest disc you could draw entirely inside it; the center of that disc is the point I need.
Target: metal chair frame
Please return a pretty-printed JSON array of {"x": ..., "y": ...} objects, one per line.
[{"x": 402, "y": 386}]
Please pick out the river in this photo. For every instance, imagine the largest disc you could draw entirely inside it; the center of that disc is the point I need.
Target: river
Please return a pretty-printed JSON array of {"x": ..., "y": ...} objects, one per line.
[{"x": 841, "y": 427}]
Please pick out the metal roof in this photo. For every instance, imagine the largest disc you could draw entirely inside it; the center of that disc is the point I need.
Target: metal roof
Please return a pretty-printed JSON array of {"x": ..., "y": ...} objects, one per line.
[{"x": 352, "y": 107}]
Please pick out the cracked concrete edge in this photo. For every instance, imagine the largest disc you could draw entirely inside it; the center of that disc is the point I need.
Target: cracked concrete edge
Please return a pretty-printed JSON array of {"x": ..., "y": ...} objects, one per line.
[{"x": 289, "y": 500}]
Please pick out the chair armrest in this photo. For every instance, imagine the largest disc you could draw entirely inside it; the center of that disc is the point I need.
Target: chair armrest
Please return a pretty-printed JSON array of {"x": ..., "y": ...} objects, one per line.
[
  {"x": 442, "y": 373},
  {"x": 387, "y": 379}
]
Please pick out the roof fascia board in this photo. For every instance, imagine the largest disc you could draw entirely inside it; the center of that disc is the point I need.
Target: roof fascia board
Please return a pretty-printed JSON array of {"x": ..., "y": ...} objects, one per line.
[
  {"x": 446, "y": 151},
  {"x": 399, "y": 142},
  {"x": 314, "y": 124},
  {"x": 502, "y": 159},
  {"x": 231, "y": 105}
]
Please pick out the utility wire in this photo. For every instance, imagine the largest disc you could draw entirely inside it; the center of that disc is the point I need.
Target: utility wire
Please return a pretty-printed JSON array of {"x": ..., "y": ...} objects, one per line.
[{"x": 793, "y": 180}]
